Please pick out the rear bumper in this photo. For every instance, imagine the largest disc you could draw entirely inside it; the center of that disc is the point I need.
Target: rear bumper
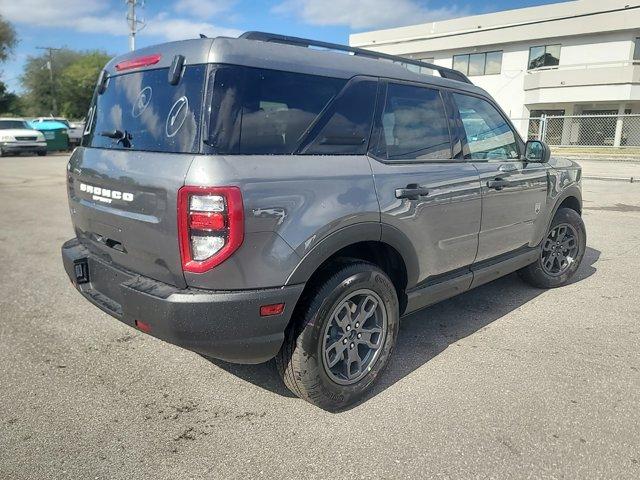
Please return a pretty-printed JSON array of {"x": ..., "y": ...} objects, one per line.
[{"x": 225, "y": 325}]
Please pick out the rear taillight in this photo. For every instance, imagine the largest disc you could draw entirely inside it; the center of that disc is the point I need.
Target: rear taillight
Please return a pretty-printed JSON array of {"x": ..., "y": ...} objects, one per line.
[{"x": 210, "y": 224}]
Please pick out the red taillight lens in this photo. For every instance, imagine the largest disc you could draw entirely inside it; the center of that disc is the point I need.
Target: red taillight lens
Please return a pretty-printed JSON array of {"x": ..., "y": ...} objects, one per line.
[
  {"x": 211, "y": 225},
  {"x": 139, "y": 62}
]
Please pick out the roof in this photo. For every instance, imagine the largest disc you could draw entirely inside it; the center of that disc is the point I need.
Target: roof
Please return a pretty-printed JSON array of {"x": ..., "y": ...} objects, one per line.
[
  {"x": 280, "y": 56},
  {"x": 577, "y": 17}
]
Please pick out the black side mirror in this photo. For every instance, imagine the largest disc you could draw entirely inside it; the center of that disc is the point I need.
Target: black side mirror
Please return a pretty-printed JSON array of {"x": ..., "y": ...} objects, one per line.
[{"x": 536, "y": 151}]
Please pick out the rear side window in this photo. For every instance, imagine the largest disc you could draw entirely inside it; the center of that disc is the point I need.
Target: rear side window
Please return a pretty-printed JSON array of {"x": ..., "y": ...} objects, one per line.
[
  {"x": 260, "y": 111},
  {"x": 414, "y": 125},
  {"x": 143, "y": 111},
  {"x": 348, "y": 125},
  {"x": 489, "y": 136}
]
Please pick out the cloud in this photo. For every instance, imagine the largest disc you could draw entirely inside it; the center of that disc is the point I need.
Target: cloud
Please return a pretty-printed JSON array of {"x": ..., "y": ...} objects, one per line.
[
  {"x": 203, "y": 8},
  {"x": 98, "y": 16},
  {"x": 179, "y": 29},
  {"x": 362, "y": 14}
]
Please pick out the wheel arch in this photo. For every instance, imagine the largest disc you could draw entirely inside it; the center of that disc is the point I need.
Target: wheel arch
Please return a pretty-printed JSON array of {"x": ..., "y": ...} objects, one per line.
[{"x": 379, "y": 244}]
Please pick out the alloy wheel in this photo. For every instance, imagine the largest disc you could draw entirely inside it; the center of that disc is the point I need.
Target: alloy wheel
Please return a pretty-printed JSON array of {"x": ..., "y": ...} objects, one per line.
[{"x": 354, "y": 336}]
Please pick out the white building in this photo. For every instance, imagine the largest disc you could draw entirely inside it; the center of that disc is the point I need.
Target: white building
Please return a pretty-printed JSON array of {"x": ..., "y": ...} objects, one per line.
[{"x": 573, "y": 58}]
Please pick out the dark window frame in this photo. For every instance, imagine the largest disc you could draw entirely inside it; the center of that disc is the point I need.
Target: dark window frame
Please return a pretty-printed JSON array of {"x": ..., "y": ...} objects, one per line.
[
  {"x": 559, "y": 45},
  {"x": 377, "y": 131},
  {"x": 636, "y": 50},
  {"x": 484, "y": 68}
]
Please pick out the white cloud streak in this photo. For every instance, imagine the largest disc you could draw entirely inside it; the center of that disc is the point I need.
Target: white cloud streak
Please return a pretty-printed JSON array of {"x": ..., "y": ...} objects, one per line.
[
  {"x": 98, "y": 16},
  {"x": 362, "y": 14}
]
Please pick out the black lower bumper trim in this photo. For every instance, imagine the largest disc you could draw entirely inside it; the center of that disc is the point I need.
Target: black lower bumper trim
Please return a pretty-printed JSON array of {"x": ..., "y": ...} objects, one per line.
[{"x": 219, "y": 324}]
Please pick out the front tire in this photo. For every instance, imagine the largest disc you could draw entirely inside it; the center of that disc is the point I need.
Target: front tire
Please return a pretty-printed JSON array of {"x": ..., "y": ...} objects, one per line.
[
  {"x": 42, "y": 153},
  {"x": 344, "y": 338},
  {"x": 561, "y": 252}
]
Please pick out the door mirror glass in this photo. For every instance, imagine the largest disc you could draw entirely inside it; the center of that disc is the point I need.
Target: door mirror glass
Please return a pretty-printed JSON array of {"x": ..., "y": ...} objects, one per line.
[{"x": 536, "y": 151}]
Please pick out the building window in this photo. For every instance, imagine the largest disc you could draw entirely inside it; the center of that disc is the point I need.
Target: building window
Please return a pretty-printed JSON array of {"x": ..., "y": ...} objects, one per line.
[
  {"x": 475, "y": 64},
  {"x": 636, "y": 53},
  {"x": 544, "y": 56}
]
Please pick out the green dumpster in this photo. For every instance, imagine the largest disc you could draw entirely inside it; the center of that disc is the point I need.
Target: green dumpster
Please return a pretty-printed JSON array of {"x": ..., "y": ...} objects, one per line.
[{"x": 55, "y": 133}]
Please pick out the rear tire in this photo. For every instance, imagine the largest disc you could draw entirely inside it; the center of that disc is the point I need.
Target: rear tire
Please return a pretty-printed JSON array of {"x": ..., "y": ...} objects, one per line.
[
  {"x": 42, "y": 153},
  {"x": 343, "y": 338},
  {"x": 561, "y": 252}
]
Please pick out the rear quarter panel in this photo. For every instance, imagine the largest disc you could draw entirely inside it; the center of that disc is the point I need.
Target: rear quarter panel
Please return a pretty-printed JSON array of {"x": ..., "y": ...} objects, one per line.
[{"x": 291, "y": 203}]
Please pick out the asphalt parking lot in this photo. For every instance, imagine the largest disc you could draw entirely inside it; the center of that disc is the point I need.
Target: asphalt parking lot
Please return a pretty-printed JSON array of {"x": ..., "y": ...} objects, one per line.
[{"x": 505, "y": 381}]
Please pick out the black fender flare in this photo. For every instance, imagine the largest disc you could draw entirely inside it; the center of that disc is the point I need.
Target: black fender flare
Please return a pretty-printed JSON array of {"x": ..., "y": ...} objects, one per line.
[{"x": 352, "y": 234}]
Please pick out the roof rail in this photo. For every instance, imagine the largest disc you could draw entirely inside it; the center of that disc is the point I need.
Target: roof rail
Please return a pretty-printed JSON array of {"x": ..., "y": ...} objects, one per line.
[{"x": 304, "y": 42}]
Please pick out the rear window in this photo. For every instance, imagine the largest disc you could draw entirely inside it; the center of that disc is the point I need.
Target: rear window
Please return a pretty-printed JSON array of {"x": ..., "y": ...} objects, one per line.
[
  {"x": 143, "y": 111},
  {"x": 261, "y": 111}
]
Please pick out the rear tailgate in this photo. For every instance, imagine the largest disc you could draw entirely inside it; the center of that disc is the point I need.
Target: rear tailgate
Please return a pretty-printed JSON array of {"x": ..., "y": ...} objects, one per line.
[
  {"x": 142, "y": 133},
  {"x": 124, "y": 208}
]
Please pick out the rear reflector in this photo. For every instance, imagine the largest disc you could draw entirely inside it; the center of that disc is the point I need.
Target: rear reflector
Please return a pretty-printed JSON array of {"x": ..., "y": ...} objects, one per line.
[
  {"x": 139, "y": 62},
  {"x": 143, "y": 327},
  {"x": 206, "y": 221},
  {"x": 270, "y": 310}
]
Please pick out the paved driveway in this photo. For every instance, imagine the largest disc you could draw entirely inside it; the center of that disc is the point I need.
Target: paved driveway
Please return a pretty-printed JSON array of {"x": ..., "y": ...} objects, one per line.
[{"x": 505, "y": 381}]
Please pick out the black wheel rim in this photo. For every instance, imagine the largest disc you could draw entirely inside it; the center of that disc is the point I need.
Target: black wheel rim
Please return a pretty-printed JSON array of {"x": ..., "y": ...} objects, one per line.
[
  {"x": 354, "y": 336},
  {"x": 560, "y": 249}
]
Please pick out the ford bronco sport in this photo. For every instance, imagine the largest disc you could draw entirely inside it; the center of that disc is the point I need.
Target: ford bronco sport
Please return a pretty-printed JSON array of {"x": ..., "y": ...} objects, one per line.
[{"x": 254, "y": 198}]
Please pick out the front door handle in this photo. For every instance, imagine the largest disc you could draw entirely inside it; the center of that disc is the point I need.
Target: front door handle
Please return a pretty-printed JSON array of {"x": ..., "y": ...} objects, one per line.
[
  {"x": 497, "y": 184},
  {"x": 413, "y": 191}
]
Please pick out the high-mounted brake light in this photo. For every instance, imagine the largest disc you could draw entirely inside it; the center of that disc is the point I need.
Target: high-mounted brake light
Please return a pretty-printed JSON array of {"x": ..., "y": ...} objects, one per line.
[
  {"x": 210, "y": 224},
  {"x": 139, "y": 62}
]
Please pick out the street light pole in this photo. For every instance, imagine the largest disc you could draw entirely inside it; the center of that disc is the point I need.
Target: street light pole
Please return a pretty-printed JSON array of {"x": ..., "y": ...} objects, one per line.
[
  {"x": 54, "y": 100},
  {"x": 135, "y": 25}
]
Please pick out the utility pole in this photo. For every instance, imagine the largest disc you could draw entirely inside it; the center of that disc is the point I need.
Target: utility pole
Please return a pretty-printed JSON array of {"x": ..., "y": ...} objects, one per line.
[
  {"x": 54, "y": 101},
  {"x": 135, "y": 25}
]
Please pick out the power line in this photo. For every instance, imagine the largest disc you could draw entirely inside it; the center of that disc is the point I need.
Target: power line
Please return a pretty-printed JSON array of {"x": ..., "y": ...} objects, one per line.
[
  {"x": 54, "y": 101},
  {"x": 135, "y": 24}
]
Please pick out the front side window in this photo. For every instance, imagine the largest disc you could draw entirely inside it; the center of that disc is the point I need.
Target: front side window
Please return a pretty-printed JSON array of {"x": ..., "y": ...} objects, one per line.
[
  {"x": 414, "y": 125},
  {"x": 258, "y": 111},
  {"x": 636, "y": 52},
  {"x": 544, "y": 56},
  {"x": 489, "y": 136},
  {"x": 476, "y": 64}
]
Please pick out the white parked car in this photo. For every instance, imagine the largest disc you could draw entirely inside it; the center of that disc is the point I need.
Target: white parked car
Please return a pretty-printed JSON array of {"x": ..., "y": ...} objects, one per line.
[{"x": 16, "y": 137}]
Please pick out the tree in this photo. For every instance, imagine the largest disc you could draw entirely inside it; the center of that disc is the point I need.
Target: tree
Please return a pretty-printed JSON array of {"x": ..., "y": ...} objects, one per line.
[
  {"x": 9, "y": 102},
  {"x": 74, "y": 75},
  {"x": 8, "y": 39},
  {"x": 77, "y": 82},
  {"x": 36, "y": 81}
]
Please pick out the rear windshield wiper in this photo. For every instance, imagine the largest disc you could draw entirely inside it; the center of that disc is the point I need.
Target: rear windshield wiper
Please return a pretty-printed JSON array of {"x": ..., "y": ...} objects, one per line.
[{"x": 123, "y": 137}]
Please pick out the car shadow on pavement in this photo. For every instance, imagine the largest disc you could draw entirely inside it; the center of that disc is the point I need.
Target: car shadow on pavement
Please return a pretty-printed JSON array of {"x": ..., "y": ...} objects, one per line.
[{"x": 427, "y": 333}]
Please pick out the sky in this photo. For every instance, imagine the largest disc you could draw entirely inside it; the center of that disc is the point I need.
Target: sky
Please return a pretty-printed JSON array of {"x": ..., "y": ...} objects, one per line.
[{"x": 101, "y": 24}]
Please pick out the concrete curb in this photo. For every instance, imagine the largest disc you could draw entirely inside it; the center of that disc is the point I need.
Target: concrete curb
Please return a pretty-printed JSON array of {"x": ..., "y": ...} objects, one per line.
[{"x": 612, "y": 179}]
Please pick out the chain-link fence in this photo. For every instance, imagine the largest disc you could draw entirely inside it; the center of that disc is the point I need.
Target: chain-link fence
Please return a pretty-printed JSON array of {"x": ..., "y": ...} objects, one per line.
[{"x": 583, "y": 130}]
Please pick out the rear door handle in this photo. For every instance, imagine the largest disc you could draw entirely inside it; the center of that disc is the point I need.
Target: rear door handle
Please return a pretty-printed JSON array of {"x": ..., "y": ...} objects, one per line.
[
  {"x": 497, "y": 184},
  {"x": 413, "y": 191}
]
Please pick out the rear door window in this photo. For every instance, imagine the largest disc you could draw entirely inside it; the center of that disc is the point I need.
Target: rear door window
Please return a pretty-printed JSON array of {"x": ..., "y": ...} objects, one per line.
[
  {"x": 414, "y": 125},
  {"x": 260, "y": 111},
  {"x": 143, "y": 111}
]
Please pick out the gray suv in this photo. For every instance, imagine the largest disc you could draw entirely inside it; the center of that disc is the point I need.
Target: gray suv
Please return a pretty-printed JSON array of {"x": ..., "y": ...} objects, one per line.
[{"x": 272, "y": 197}]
